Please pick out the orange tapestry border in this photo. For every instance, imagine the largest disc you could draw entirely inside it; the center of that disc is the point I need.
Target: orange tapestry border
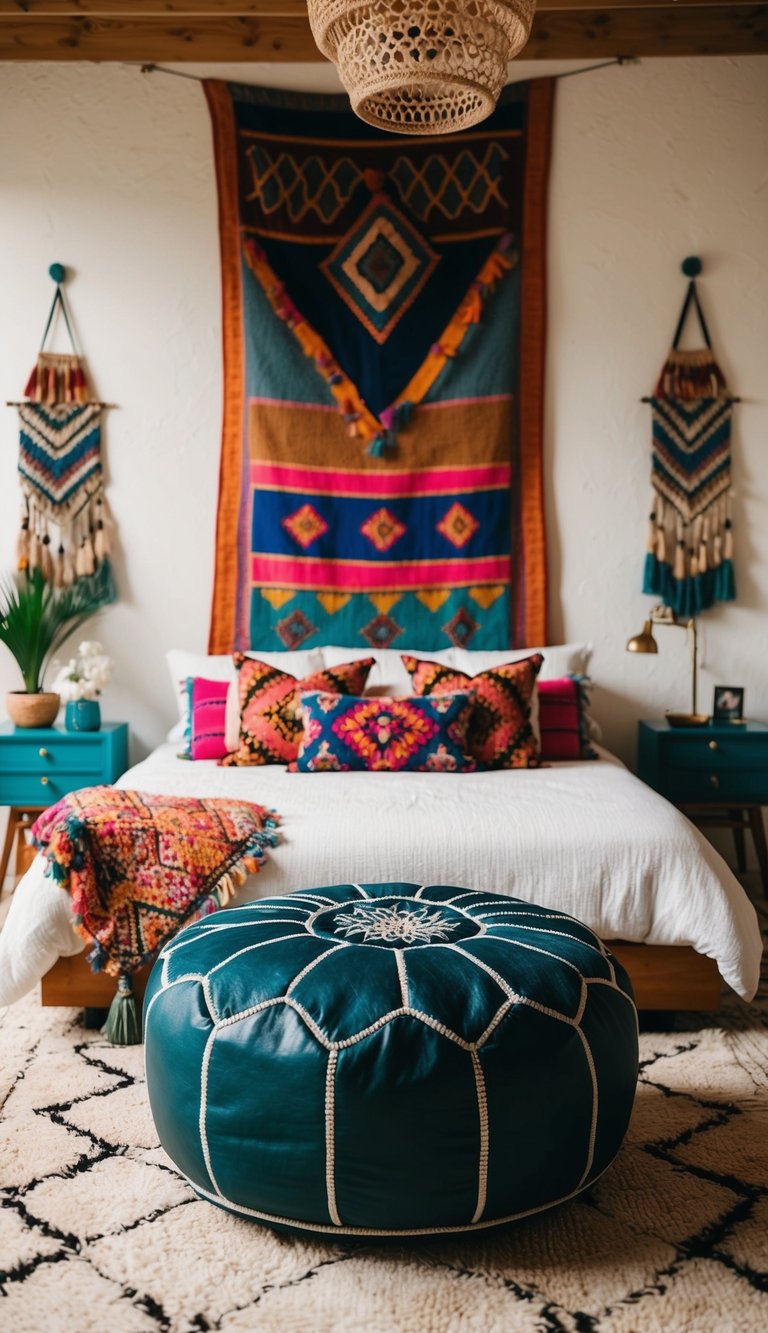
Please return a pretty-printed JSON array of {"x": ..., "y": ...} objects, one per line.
[{"x": 225, "y": 582}]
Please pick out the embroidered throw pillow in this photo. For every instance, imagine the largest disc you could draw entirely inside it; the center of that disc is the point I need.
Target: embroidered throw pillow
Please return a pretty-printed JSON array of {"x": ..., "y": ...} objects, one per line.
[
  {"x": 385, "y": 735},
  {"x": 563, "y": 723},
  {"x": 270, "y": 706},
  {"x": 500, "y": 733},
  {"x": 207, "y": 704}
]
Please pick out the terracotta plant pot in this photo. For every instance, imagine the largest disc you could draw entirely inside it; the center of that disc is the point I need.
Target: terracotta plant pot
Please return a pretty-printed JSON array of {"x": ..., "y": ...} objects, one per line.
[{"x": 32, "y": 710}]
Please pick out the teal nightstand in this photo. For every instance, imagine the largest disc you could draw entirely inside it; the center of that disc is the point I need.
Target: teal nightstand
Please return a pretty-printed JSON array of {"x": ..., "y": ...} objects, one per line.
[
  {"x": 717, "y": 774},
  {"x": 40, "y": 765}
]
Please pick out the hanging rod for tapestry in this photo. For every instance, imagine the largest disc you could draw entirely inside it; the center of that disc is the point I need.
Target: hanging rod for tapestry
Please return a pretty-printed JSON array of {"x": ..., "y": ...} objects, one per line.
[{"x": 151, "y": 68}]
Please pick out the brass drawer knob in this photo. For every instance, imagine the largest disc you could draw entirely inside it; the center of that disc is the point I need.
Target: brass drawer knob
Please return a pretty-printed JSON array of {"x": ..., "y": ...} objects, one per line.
[
  {"x": 712, "y": 745},
  {"x": 43, "y": 753},
  {"x": 714, "y": 780},
  {"x": 44, "y": 782}
]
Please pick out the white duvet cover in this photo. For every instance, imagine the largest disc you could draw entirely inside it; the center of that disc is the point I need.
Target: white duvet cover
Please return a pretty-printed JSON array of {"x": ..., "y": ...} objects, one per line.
[{"x": 587, "y": 838}]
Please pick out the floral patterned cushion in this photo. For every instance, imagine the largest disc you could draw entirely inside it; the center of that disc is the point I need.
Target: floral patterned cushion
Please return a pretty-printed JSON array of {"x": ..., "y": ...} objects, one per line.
[
  {"x": 500, "y": 734},
  {"x": 385, "y": 735},
  {"x": 270, "y": 718}
]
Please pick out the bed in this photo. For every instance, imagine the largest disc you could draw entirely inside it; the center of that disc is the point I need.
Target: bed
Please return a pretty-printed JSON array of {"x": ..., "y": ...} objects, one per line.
[{"x": 585, "y": 837}]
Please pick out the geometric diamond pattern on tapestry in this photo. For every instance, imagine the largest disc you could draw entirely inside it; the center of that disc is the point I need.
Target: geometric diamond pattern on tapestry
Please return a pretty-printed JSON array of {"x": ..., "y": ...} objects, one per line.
[
  {"x": 305, "y": 525},
  {"x": 380, "y": 266},
  {"x": 383, "y": 529},
  {"x": 458, "y": 526}
]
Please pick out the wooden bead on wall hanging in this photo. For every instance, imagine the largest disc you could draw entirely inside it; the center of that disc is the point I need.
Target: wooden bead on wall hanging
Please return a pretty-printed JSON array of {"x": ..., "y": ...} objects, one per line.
[
  {"x": 689, "y": 560},
  {"x": 64, "y": 519}
]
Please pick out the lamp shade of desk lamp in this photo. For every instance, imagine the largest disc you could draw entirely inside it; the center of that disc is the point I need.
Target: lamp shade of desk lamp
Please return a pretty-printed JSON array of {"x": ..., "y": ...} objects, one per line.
[{"x": 644, "y": 642}]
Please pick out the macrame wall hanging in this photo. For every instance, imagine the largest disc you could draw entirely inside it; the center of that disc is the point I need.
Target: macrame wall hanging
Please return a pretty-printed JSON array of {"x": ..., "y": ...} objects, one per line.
[
  {"x": 64, "y": 518},
  {"x": 689, "y": 562}
]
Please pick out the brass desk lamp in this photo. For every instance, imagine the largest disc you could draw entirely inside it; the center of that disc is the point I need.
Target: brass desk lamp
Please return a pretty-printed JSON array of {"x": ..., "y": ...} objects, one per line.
[{"x": 645, "y": 643}]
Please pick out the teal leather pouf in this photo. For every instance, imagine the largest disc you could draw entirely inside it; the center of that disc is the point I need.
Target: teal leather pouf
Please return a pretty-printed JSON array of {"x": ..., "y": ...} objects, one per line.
[{"x": 389, "y": 1059}]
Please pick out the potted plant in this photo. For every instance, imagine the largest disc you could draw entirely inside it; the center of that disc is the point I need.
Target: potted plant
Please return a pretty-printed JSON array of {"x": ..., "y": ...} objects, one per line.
[{"x": 35, "y": 620}]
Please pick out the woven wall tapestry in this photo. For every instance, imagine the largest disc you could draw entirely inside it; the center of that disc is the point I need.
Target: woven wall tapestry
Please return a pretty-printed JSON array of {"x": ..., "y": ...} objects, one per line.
[
  {"x": 64, "y": 519},
  {"x": 381, "y": 473},
  {"x": 689, "y": 560}
]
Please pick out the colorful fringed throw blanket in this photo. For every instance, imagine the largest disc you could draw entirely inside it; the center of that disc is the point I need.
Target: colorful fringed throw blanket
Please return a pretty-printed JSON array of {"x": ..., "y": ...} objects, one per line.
[
  {"x": 140, "y": 866},
  {"x": 690, "y": 541},
  {"x": 381, "y": 474}
]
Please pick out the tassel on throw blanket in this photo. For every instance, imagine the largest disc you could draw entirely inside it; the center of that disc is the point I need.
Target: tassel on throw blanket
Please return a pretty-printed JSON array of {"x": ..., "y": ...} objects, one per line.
[{"x": 140, "y": 866}]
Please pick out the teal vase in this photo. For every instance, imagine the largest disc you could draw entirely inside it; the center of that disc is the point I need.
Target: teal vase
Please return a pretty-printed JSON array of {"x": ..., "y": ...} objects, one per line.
[{"x": 82, "y": 715}]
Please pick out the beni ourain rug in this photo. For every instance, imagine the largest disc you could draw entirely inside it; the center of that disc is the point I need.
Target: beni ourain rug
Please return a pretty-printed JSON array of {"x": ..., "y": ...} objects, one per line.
[{"x": 99, "y": 1232}]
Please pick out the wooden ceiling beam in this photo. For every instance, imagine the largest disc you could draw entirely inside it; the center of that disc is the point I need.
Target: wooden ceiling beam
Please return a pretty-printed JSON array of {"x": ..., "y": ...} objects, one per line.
[
  {"x": 126, "y": 9},
  {"x": 566, "y": 33}
]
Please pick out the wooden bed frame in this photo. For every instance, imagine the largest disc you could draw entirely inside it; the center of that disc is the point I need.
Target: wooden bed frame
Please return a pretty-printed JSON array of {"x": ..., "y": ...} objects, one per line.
[{"x": 664, "y": 977}]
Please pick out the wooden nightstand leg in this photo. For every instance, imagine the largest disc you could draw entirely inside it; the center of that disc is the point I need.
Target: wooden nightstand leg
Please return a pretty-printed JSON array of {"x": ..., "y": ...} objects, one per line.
[
  {"x": 758, "y": 835},
  {"x": 737, "y": 816}
]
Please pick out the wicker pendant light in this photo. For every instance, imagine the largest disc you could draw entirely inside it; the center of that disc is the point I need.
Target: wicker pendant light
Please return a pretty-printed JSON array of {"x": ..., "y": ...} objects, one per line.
[{"x": 421, "y": 66}]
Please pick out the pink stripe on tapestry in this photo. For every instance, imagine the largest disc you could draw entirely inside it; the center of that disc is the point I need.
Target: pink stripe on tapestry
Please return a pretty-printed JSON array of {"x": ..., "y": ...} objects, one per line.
[
  {"x": 334, "y": 481},
  {"x": 361, "y": 576}
]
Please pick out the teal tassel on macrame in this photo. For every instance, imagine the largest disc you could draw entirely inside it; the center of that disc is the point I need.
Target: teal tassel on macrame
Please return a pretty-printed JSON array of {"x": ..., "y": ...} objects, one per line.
[{"x": 122, "y": 1027}]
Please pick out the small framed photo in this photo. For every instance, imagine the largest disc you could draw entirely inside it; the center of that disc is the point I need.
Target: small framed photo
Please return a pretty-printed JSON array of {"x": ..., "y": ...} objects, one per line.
[{"x": 728, "y": 704}]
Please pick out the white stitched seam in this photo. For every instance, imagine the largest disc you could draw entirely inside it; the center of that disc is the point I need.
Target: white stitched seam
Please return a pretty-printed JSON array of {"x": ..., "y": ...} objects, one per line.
[
  {"x": 420, "y": 890},
  {"x": 465, "y": 893},
  {"x": 593, "y": 1126},
  {"x": 323, "y": 1228},
  {"x": 402, "y": 976},
  {"x": 612, "y": 985},
  {"x": 250, "y": 1011},
  {"x": 249, "y": 948},
  {"x": 494, "y": 1023},
  {"x": 544, "y": 930},
  {"x": 360, "y": 890},
  {"x": 534, "y": 948},
  {"x": 305, "y": 970},
  {"x": 507, "y": 989},
  {"x": 582, "y": 1003},
  {"x": 315, "y": 898},
  {"x": 212, "y": 1010},
  {"x": 191, "y": 976},
  {"x": 482, "y": 1111},
  {"x": 216, "y": 929},
  {"x": 330, "y": 1138},
  {"x": 204, "y": 1109}
]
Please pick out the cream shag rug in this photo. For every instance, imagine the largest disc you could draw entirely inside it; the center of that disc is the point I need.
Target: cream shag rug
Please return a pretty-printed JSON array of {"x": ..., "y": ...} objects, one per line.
[{"x": 98, "y": 1232}]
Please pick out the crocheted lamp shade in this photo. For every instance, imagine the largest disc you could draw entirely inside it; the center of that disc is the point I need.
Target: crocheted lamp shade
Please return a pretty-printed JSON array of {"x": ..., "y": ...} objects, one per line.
[{"x": 426, "y": 67}]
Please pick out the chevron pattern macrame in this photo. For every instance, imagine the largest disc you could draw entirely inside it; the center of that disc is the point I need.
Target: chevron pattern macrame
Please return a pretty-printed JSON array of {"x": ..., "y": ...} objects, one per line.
[
  {"x": 689, "y": 561},
  {"x": 63, "y": 523}
]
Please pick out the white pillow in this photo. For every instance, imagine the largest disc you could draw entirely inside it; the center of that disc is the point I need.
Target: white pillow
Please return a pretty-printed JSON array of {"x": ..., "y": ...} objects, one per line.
[
  {"x": 221, "y": 667},
  {"x": 388, "y": 676},
  {"x": 559, "y": 659}
]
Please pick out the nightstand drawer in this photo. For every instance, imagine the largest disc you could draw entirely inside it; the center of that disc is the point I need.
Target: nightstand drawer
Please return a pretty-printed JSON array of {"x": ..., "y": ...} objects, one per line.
[
  {"x": 714, "y": 755},
  {"x": 42, "y": 789},
  {"x": 718, "y": 785},
  {"x": 84, "y": 755}
]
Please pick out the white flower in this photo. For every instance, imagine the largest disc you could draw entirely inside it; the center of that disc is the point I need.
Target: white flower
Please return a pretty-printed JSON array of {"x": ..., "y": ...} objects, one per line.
[{"x": 84, "y": 676}]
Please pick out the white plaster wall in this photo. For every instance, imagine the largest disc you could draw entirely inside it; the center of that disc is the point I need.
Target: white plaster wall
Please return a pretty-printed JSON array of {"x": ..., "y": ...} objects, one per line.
[{"x": 110, "y": 172}]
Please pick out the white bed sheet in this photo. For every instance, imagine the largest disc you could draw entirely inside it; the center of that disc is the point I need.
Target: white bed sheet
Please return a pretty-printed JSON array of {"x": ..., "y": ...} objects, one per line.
[{"x": 587, "y": 838}]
